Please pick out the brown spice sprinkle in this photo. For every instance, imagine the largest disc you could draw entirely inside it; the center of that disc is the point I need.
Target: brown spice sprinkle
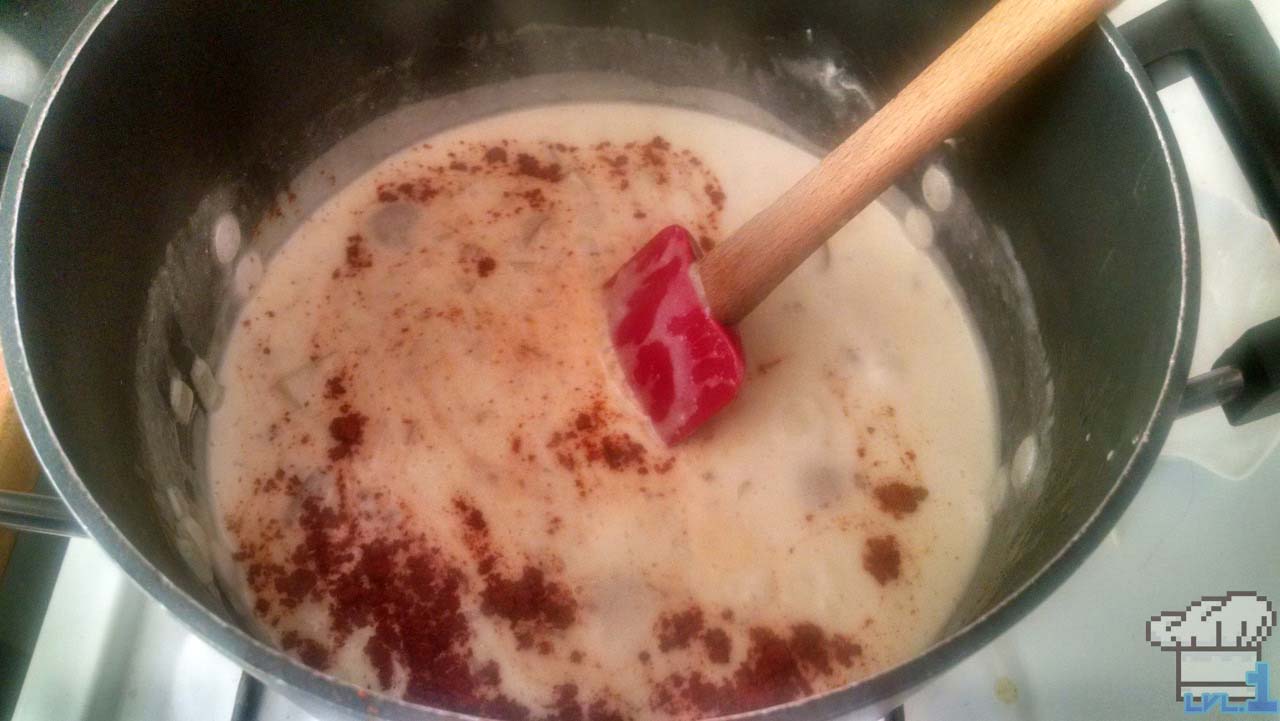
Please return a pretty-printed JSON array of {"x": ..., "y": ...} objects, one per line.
[
  {"x": 421, "y": 190},
  {"x": 882, "y": 558},
  {"x": 357, "y": 256},
  {"x": 535, "y": 198},
  {"x": 385, "y": 585},
  {"x": 776, "y": 670},
  {"x": 899, "y": 499},
  {"x": 765, "y": 367},
  {"x": 529, "y": 603},
  {"x": 654, "y": 151},
  {"x": 718, "y": 645},
  {"x": 715, "y": 194},
  {"x": 403, "y": 589},
  {"x": 677, "y": 630},
  {"x": 528, "y": 165},
  {"x": 347, "y": 432},
  {"x": 655, "y": 159},
  {"x": 588, "y": 439},
  {"x": 620, "y": 451},
  {"x": 471, "y": 516},
  {"x": 335, "y": 387},
  {"x": 312, "y": 652},
  {"x": 534, "y": 607}
]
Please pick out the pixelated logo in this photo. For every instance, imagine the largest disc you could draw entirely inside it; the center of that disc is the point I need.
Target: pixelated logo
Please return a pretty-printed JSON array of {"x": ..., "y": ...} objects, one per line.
[{"x": 1218, "y": 644}]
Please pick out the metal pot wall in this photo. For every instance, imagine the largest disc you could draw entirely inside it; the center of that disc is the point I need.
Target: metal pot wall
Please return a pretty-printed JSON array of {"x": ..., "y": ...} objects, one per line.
[{"x": 158, "y": 116}]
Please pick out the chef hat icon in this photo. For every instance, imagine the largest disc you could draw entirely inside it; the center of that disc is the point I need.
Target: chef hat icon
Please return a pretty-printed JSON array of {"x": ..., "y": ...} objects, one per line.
[{"x": 1238, "y": 620}]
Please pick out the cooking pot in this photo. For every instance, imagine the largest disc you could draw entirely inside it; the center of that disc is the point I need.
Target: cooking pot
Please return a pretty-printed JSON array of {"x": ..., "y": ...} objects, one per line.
[{"x": 1071, "y": 238}]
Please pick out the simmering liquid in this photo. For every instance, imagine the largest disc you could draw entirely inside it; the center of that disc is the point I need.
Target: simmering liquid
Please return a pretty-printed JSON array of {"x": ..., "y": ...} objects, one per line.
[{"x": 435, "y": 484}]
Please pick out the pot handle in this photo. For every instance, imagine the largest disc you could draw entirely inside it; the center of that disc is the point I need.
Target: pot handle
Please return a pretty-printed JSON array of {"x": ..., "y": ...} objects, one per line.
[
  {"x": 21, "y": 509},
  {"x": 1245, "y": 379},
  {"x": 1235, "y": 63}
]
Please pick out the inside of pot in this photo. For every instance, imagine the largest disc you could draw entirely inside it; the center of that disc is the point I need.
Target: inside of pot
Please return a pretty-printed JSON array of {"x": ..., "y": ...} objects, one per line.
[
  {"x": 184, "y": 333},
  {"x": 1048, "y": 226}
]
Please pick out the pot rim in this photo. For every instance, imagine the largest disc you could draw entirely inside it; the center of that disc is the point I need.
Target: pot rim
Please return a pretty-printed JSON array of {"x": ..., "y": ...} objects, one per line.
[{"x": 879, "y": 692}]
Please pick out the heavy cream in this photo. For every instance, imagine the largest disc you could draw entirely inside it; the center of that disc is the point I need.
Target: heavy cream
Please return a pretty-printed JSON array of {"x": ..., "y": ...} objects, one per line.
[{"x": 435, "y": 484}]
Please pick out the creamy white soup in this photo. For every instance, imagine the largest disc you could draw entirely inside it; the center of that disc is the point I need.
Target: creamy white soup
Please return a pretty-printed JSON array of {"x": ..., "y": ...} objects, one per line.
[{"x": 435, "y": 484}]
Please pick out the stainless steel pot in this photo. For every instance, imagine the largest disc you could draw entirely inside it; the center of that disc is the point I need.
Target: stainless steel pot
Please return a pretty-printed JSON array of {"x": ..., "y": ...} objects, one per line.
[{"x": 153, "y": 109}]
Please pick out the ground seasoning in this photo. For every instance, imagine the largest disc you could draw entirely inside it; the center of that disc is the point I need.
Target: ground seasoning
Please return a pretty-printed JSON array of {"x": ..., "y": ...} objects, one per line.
[
  {"x": 619, "y": 451},
  {"x": 715, "y": 195},
  {"x": 357, "y": 256},
  {"x": 528, "y": 165},
  {"x": 776, "y": 670},
  {"x": 535, "y": 199},
  {"x": 899, "y": 499},
  {"x": 347, "y": 432},
  {"x": 310, "y": 651},
  {"x": 534, "y": 607},
  {"x": 677, "y": 630},
  {"x": 529, "y": 602},
  {"x": 718, "y": 645},
  {"x": 882, "y": 559},
  {"x": 654, "y": 152},
  {"x": 403, "y": 589},
  {"x": 421, "y": 190},
  {"x": 589, "y": 440},
  {"x": 335, "y": 387}
]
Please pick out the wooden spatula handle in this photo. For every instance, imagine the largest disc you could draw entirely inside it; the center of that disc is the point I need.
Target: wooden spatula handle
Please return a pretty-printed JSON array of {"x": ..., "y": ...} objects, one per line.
[{"x": 1010, "y": 40}]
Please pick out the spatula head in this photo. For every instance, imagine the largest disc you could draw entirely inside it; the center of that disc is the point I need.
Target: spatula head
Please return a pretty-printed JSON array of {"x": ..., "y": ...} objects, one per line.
[{"x": 682, "y": 364}]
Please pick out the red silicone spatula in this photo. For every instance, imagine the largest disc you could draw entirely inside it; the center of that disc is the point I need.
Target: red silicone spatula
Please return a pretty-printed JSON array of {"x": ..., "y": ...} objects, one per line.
[{"x": 671, "y": 314}]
